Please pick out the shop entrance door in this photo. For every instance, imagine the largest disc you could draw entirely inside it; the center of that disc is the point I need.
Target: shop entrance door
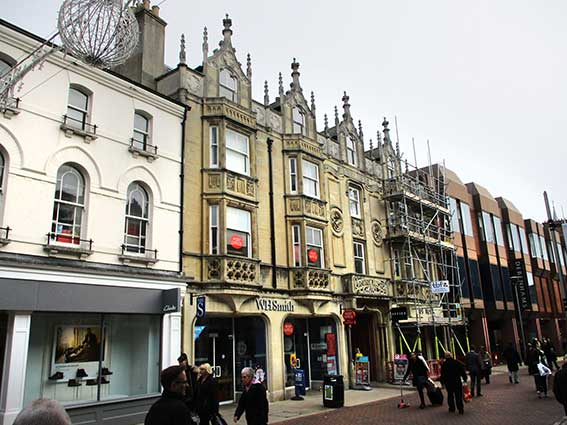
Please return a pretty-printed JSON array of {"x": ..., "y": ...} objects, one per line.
[
  {"x": 214, "y": 345},
  {"x": 296, "y": 351}
]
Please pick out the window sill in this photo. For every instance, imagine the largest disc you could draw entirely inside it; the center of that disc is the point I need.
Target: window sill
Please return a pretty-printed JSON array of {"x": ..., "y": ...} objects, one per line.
[
  {"x": 70, "y": 131},
  {"x": 57, "y": 249},
  {"x": 4, "y": 241},
  {"x": 143, "y": 153},
  {"x": 10, "y": 111},
  {"x": 137, "y": 258}
]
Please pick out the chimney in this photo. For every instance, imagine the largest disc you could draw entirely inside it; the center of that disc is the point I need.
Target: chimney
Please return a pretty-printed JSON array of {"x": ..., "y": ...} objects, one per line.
[{"x": 147, "y": 62}]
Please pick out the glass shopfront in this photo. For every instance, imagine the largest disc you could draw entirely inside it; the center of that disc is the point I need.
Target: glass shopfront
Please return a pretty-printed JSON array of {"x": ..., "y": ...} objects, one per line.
[
  {"x": 311, "y": 346},
  {"x": 228, "y": 345},
  {"x": 91, "y": 357}
]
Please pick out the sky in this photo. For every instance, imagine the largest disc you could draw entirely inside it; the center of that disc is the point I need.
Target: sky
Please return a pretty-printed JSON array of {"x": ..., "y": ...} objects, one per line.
[{"x": 485, "y": 81}]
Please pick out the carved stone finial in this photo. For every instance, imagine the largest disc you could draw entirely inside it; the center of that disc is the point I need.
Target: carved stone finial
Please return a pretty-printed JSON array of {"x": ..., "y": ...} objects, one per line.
[
  {"x": 248, "y": 66},
  {"x": 398, "y": 148},
  {"x": 336, "y": 116},
  {"x": 407, "y": 169},
  {"x": 312, "y": 102},
  {"x": 227, "y": 32},
  {"x": 371, "y": 147},
  {"x": 266, "y": 94},
  {"x": 182, "y": 53},
  {"x": 280, "y": 85},
  {"x": 326, "y": 121},
  {"x": 205, "y": 44},
  {"x": 386, "y": 131},
  {"x": 360, "y": 134},
  {"x": 295, "y": 76},
  {"x": 346, "y": 106},
  {"x": 378, "y": 138}
]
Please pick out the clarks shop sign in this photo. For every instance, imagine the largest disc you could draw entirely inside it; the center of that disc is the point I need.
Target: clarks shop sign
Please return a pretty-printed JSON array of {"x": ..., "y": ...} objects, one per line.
[{"x": 266, "y": 304}]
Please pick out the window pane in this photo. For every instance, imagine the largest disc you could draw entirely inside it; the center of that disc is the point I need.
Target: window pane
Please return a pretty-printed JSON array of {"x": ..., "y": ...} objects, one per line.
[
  {"x": 523, "y": 240},
  {"x": 314, "y": 256},
  {"x": 78, "y": 99},
  {"x": 238, "y": 219},
  {"x": 498, "y": 231},
  {"x": 454, "y": 215},
  {"x": 140, "y": 123},
  {"x": 236, "y": 243},
  {"x": 310, "y": 170},
  {"x": 237, "y": 141},
  {"x": 227, "y": 80},
  {"x": 466, "y": 217},
  {"x": 515, "y": 237},
  {"x": 236, "y": 162}
]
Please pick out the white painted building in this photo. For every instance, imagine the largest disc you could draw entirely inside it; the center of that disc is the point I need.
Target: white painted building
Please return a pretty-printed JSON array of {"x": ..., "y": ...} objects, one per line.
[{"x": 90, "y": 205}]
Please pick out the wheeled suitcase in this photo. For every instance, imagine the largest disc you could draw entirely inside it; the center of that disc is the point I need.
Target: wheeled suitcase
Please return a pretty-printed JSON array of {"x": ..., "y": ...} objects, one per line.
[{"x": 435, "y": 396}]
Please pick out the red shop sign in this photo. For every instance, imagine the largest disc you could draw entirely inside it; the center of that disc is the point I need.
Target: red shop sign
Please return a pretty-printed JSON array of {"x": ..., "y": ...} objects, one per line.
[
  {"x": 313, "y": 255},
  {"x": 236, "y": 241},
  {"x": 288, "y": 328},
  {"x": 350, "y": 317}
]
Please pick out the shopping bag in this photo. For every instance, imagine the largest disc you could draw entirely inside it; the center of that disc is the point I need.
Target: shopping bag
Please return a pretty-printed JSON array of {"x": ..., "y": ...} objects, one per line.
[
  {"x": 543, "y": 369},
  {"x": 467, "y": 396}
]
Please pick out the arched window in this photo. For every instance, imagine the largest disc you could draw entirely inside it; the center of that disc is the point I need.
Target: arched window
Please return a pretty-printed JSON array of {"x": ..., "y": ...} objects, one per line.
[
  {"x": 141, "y": 137},
  {"x": 228, "y": 85},
  {"x": 2, "y": 168},
  {"x": 137, "y": 219},
  {"x": 299, "y": 122},
  {"x": 77, "y": 108},
  {"x": 4, "y": 67},
  {"x": 69, "y": 206},
  {"x": 351, "y": 151}
]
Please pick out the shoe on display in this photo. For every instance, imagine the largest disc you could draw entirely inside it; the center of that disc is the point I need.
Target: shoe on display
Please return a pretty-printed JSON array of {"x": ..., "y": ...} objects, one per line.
[
  {"x": 103, "y": 380},
  {"x": 91, "y": 382},
  {"x": 73, "y": 383},
  {"x": 106, "y": 372},
  {"x": 56, "y": 376},
  {"x": 81, "y": 373}
]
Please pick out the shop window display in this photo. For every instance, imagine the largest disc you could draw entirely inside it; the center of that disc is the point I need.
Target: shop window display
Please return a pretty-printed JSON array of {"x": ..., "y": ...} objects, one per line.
[{"x": 86, "y": 358}]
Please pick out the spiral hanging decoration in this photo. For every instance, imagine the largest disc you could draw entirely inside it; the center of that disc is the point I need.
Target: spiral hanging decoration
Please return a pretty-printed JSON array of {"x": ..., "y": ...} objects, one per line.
[{"x": 102, "y": 33}]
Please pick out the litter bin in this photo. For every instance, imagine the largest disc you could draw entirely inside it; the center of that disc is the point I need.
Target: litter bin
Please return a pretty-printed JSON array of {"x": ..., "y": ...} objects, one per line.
[{"x": 333, "y": 391}]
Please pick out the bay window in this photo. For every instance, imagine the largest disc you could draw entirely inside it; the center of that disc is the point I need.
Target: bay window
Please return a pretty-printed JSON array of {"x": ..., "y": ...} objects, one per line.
[
  {"x": 314, "y": 247},
  {"x": 293, "y": 175},
  {"x": 238, "y": 232},
  {"x": 310, "y": 179},
  {"x": 296, "y": 236},
  {"x": 237, "y": 152}
]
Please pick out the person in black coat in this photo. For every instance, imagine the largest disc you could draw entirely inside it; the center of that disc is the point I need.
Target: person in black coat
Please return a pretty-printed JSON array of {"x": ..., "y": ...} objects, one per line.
[
  {"x": 452, "y": 372},
  {"x": 206, "y": 402},
  {"x": 191, "y": 372},
  {"x": 420, "y": 372},
  {"x": 170, "y": 409},
  {"x": 560, "y": 386},
  {"x": 513, "y": 362},
  {"x": 536, "y": 356},
  {"x": 253, "y": 400},
  {"x": 474, "y": 366}
]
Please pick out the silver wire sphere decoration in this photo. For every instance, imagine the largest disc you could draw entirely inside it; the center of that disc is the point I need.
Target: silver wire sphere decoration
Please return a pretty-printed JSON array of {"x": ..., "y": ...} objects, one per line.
[{"x": 102, "y": 33}]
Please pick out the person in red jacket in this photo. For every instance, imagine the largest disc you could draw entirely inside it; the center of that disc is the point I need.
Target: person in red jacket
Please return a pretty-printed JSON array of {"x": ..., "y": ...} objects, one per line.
[{"x": 253, "y": 400}]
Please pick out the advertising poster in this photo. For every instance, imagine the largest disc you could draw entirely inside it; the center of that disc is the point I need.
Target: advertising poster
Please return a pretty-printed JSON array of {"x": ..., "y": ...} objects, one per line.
[
  {"x": 400, "y": 367},
  {"x": 361, "y": 371}
]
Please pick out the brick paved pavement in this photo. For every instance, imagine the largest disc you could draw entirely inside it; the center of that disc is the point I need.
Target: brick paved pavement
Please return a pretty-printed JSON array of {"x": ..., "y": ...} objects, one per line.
[{"x": 501, "y": 404}]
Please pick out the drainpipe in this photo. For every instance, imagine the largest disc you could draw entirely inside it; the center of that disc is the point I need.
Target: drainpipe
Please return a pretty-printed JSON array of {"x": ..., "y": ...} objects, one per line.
[
  {"x": 272, "y": 224},
  {"x": 182, "y": 186}
]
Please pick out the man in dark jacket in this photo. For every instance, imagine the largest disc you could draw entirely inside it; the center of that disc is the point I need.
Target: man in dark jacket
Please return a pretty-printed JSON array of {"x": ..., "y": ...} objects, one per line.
[
  {"x": 420, "y": 372},
  {"x": 474, "y": 366},
  {"x": 513, "y": 362},
  {"x": 170, "y": 409},
  {"x": 560, "y": 386},
  {"x": 452, "y": 372},
  {"x": 253, "y": 400}
]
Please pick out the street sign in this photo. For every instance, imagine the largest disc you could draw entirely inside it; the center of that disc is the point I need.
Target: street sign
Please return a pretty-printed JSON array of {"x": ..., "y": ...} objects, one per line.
[
  {"x": 440, "y": 287},
  {"x": 201, "y": 310},
  {"x": 399, "y": 313},
  {"x": 349, "y": 317},
  {"x": 518, "y": 278}
]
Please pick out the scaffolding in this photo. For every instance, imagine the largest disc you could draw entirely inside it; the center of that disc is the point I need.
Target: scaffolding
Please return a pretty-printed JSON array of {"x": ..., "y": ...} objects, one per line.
[{"x": 423, "y": 259}]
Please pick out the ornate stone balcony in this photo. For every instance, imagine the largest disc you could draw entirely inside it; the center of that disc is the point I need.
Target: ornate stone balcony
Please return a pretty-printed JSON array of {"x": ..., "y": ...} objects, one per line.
[
  {"x": 310, "y": 279},
  {"x": 411, "y": 290},
  {"x": 232, "y": 269},
  {"x": 224, "y": 181},
  {"x": 369, "y": 286},
  {"x": 300, "y": 205}
]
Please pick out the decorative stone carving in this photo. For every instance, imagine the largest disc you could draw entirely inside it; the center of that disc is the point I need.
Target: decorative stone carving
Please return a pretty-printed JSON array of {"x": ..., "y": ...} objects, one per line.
[
  {"x": 337, "y": 222},
  {"x": 369, "y": 286},
  {"x": 213, "y": 269},
  {"x": 275, "y": 122},
  {"x": 193, "y": 84},
  {"x": 250, "y": 188},
  {"x": 377, "y": 233},
  {"x": 240, "y": 271},
  {"x": 295, "y": 205},
  {"x": 318, "y": 279},
  {"x": 357, "y": 227},
  {"x": 214, "y": 181},
  {"x": 230, "y": 182},
  {"x": 314, "y": 207},
  {"x": 260, "y": 114}
]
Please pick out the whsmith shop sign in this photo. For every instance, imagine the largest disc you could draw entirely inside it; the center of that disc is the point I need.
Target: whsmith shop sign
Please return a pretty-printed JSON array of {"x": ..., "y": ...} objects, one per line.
[{"x": 267, "y": 304}]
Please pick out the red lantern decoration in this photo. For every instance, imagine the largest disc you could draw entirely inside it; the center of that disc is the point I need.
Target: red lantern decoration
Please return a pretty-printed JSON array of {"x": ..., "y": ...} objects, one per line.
[
  {"x": 313, "y": 255},
  {"x": 236, "y": 242},
  {"x": 288, "y": 328}
]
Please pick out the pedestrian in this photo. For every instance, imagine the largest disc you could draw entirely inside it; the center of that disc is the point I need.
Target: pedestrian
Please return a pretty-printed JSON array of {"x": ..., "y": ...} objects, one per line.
[
  {"x": 253, "y": 400},
  {"x": 420, "y": 372},
  {"x": 206, "y": 402},
  {"x": 452, "y": 376},
  {"x": 550, "y": 353},
  {"x": 513, "y": 363},
  {"x": 43, "y": 411},
  {"x": 191, "y": 372},
  {"x": 170, "y": 409},
  {"x": 486, "y": 362},
  {"x": 474, "y": 366},
  {"x": 537, "y": 367},
  {"x": 560, "y": 386}
]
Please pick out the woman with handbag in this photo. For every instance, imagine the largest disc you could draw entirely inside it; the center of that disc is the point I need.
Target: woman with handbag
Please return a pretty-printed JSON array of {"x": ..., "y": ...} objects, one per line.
[
  {"x": 206, "y": 402},
  {"x": 537, "y": 367},
  {"x": 486, "y": 362}
]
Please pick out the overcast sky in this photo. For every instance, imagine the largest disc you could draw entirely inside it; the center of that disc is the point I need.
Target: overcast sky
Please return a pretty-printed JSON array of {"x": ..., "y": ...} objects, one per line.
[{"x": 484, "y": 81}]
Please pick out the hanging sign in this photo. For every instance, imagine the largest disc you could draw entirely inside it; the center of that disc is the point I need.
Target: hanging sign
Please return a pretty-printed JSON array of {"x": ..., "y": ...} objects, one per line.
[
  {"x": 201, "y": 306},
  {"x": 399, "y": 313},
  {"x": 440, "y": 287},
  {"x": 313, "y": 255},
  {"x": 350, "y": 317},
  {"x": 236, "y": 242},
  {"x": 518, "y": 278},
  {"x": 288, "y": 329}
]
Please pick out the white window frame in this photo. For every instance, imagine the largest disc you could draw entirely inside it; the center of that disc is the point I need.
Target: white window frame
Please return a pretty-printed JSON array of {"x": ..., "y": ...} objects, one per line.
[
  {"x": 247, "y": 230},
  {"x": 56, "y": 235},
  {"x": 143, "y": 220},
  {"x": 351, "y": 151},
  {"x": 143, "y": 140},
  {"x": 214, "y": 147},
  {"x": 243, "y": 155},
  {"x": 296, "y": 244},
  {"x": 354, "y": 202},
  {"x": 299, "y": 126},
  {"x": 84, "y": 111},
  {"x": 311, "y": 243},
  {"x": 310, "y": 179},
  {"x": 293, "y": 175},
  {"x": 228, "y": 85},
  {"x": 360, "y": 256},
  {"x": 214, "y": 229}
]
